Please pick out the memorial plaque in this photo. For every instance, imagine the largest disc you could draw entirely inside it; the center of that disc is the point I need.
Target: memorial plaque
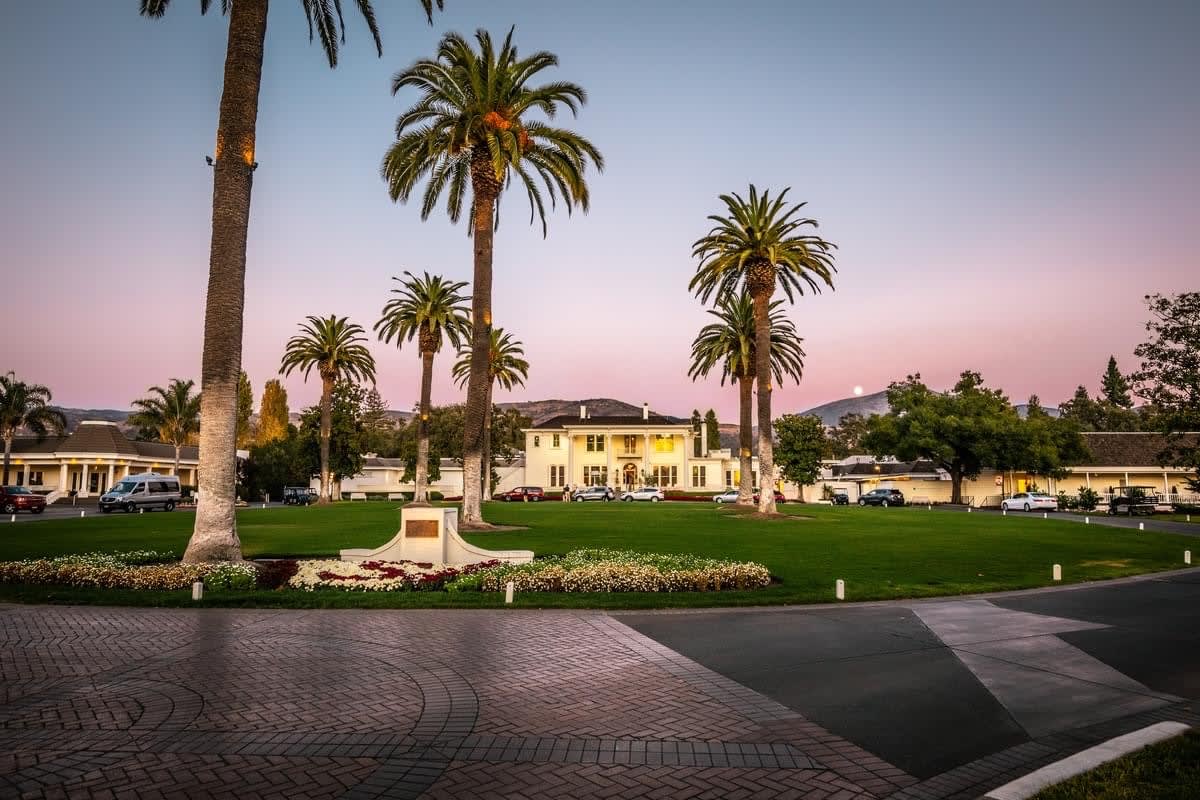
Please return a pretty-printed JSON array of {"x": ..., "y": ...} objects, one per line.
[{"x": 420, "y": 529}]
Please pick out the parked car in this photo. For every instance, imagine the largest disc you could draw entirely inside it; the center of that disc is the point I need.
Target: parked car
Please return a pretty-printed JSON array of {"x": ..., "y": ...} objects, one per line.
[
  {"x": 19, "y": 498},
  {"x": 727, "y": 496},
  {"x": 646, "y": 493},
  {"x": 529, "y": 494},
  {"x": 841, "y": 497},
  {"x": 882, "y": 497},
  {"x": 593, "y": 493},
  {"x": 148, "y": 490},
  {"x": 1030, "y": 501},
  {"x": 779, "y": 498},
  {"x": 298, "y": 495}
]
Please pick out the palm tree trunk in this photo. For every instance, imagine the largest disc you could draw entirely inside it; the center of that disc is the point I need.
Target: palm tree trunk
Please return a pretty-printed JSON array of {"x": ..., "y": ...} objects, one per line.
[
  {"x": 176, "y": 472},
  {"x": 485, "y": 188},
  {"x": 214, "y": 536},
  {"x": 486, "y": 474},
  {"x": 326, "y": 430},
  {"x": 8, "y": 440},
  {"x": 762, "y": 368},
  {"x": 745, "y": 442},
  {"x": 421, "y": 492}
]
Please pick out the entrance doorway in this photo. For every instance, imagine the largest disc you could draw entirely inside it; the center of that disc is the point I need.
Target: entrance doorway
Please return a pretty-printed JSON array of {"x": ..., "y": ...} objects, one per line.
[
  {"x": 96, "y": 483},
  {"x": 629, "y": 476}
]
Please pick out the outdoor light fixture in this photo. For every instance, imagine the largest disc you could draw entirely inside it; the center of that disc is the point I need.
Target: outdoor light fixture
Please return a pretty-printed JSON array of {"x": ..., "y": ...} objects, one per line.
[{"x": 209, "y": 160}]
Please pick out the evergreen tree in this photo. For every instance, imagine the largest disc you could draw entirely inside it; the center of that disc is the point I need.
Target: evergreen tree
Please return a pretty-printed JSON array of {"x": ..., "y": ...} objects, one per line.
[
  {"x": 245, "y": 409},
  {"x": 378, "y": 426},
  {"x": 272, "y": 413},
  {"x": 344, "y": 438},
  {"x": 697, "y": 433},
  {"x": 845, "y": 438},
  {"x": 1115, "y": 386},
  {"x": 712, "y": 430}
]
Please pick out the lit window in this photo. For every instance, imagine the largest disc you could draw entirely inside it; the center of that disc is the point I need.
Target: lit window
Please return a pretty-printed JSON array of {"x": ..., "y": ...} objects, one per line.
[
  {"x": 699, "y": 480},
  {"x": 558, "y": 475},
  {"x": 595, "y": 443},
  {"x": 630, "y": 445},
  {"x": 665, "y": 476},
  {"x": 664, "y": 444},
  {"x": 537, "y": 441}
]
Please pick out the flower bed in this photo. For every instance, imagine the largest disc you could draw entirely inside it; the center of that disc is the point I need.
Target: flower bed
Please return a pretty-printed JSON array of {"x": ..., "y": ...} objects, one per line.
[
  {"x": 379, "y": 576},
  {"x": 130, "y": 570},
  {"x": 619, "y": 571}
]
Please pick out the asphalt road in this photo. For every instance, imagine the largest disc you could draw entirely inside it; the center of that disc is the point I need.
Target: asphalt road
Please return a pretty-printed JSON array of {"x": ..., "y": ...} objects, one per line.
[
  {"x": 1100, "y": 518},
  {"x": 933, "y": 685}
]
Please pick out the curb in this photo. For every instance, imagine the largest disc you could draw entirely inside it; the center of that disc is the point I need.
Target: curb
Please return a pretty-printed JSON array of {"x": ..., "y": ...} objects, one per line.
[{"x": 1086, "y": 760}]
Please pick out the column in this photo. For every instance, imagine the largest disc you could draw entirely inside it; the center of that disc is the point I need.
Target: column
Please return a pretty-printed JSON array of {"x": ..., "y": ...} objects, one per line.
[
  {"x": 111, "y": 467},
  {"x": 687, "y": 475},
  {"x": 83, "y": 481},
  {"x": 571, "y": 479},
  {"x": 1166, "y": 488},
  {"x": 646, "y": 453},
  {"x": 608, "y": 446},
  {"x": 62, "y": 477}
]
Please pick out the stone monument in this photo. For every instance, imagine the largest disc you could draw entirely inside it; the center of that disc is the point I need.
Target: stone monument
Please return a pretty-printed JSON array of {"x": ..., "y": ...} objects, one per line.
[{"x": 430, "y": 534}]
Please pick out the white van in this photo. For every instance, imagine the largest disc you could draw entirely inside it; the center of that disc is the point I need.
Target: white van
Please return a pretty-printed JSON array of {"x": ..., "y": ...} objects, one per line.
[{"x": 148, "y": 490}]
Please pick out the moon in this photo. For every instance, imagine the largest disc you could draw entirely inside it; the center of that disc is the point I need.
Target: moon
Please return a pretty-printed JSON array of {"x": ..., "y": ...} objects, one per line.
[{"x": 857, "y": 391}]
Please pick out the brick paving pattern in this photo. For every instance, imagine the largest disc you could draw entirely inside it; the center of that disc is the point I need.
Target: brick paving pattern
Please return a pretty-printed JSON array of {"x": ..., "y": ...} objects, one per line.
[{"x": 115, "y": 703}]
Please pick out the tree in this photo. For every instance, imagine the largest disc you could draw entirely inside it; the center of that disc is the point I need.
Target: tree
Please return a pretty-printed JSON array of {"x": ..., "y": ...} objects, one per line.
[
  {"x": 26, "y": 405},
  {"x": 846, "y": 438},
  {"x": 378, "y": 426},
  {"x": 730, "y": 342},
  {"x": 273, "y": 413},
  {"x": 1169, "y": 376},
  {"x": 275, "y": 464},
  {"x": 214, "y": 535},
  {"x": 245, "y": 409},
  {"x": 472, "y": 127},
  {"x": 761, "y": 243},
  {"x": 801, "y": 446},
  {"x": 1083, "y": 411},
  {"x": 427, "y": 309},
  {"x": 961, "y": 431},
  {"x": 339, "y": 452},
  {"x": 1041, "y": 444},
  {"x": 712, "y": 430},
  {"x": 506, "y": 366},
  {"x": 1115, "y": 387},
  {"x": 332, "y": 345},
  {"x": 699, "y": 433},
  {"x": 173, "y": 413}
]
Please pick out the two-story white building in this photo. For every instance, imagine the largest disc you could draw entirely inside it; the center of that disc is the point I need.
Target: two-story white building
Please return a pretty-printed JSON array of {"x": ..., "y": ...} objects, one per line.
[{"x": 627, "y": 452}]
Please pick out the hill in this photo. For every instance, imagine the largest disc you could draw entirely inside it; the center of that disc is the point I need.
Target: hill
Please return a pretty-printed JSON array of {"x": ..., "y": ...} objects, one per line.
[
  {"x": 866, "y": 405},
  {"x": 541, "y": 410}
]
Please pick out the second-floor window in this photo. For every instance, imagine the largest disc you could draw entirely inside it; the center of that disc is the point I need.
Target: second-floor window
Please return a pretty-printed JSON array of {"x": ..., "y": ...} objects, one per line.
[
  {"x": 664, "y": 444},
  {"x": 595, "y": 443},
  {"x": 630, "y": 445},
  {"x": 555, "y": 440}
]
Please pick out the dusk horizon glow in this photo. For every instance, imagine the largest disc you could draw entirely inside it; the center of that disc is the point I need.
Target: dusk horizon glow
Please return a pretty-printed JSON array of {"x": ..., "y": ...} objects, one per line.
[{"x": 1004, "y": 185}]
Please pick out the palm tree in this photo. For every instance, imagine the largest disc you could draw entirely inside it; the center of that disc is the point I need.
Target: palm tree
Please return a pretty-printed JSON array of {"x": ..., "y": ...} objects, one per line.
[
  {"x": 506, "y": 367},
  {"x": 472, "y": 126},
  {"x": 25, "y": 405},
  {"x": 760, "y": 243},
  {"x": 426, "y": 308},
  {"x": 172, "y": 413},
  {"x": 214, "y": 535},
  {"x": 730, "y": 343},
  {"x": 331, "y": 344}
]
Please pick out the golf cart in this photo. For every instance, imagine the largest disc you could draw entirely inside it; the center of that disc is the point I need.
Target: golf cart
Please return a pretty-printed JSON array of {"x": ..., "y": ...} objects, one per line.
[
  {"x": 297, "y": 495},
  {"x": 1130, "y": 500}
]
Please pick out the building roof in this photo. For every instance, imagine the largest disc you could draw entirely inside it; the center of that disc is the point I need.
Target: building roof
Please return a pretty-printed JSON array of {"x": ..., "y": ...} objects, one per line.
[
  {"x": 377, "y": 462},
  {"x": 101, "y": 437},
  {"x": 886, "y": 469},
  {"x": 1128, "y": 449},
  {"x": 623, "y": 421}
]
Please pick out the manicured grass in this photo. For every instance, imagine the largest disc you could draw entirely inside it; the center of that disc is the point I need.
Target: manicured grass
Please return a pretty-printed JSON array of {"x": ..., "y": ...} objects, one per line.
[
  {"x": 880, "y": 553},
  {"x": 1169, "y": 770}
]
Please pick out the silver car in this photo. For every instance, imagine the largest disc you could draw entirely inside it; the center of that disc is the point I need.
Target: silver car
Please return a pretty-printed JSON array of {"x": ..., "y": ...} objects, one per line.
[
  {"x": 135, "y": 492},
  {"x": 646, "y": 493},
  {"x": 727, "y": 496}
]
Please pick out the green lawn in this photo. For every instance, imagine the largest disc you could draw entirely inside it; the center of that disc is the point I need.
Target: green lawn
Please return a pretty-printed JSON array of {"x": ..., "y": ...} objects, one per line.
[
  {"x": 1169, "y": 770},
  {"x": 880, "y": 553}
]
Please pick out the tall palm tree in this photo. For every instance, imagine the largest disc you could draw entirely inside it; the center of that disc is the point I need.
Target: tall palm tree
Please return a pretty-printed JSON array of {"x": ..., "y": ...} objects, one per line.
[
  {"x": 507, "y": 367},
  {"x": 428, "y": 309},
  {"x": 730, "y": 343},
  {"x": 760, "y": 243},
  {"x": 472, "y": 127},
  {"x": 214, "y": 535},
  {"x": 173, "y": 413},
  {"x": 332, "y": 345},
  {"x": 25, "y": 405}
]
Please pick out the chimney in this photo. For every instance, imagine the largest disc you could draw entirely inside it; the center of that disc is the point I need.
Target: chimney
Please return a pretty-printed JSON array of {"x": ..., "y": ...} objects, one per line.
[
  {"x": 645, "y": 411},
  {"x": 583, "y": 412}
]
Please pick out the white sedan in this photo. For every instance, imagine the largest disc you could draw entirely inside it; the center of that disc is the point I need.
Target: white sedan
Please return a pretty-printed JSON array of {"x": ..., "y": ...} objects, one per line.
[
  {"x": 727, "y": 496},
  {"x": 646, "y": 493},
  {"x": 1030, "y": 501}
]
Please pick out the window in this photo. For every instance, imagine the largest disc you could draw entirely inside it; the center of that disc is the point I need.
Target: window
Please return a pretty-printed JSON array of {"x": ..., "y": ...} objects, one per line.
[
  {"x": 665, "y": 476},
  {"x": 558, "y": 475},
  {"x": 729, "y": 477},
  {"x": 555, "y": 441},
  {"x": 664, "y": 444},
  {"x": 537, "y": 441},
  {"x": 595, "y": 476},
  {"x": 595, "y": 443},
  {"x": 699, "y": 480},
  {"x": 35, "y": 478},
  {"x": 630, "y": 445}
]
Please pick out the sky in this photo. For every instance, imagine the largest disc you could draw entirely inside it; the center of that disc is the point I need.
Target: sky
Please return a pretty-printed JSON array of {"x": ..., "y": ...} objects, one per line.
[{"x": 1004, "y": 181}]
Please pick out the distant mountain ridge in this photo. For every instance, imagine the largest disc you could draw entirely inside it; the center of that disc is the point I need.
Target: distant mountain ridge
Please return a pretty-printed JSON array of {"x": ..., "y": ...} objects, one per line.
[{"x": 867, "y": 404}]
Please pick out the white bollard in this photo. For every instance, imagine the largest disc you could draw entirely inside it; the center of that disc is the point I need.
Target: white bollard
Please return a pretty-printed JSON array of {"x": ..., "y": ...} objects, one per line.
[
  {"x": 968, "y": 509},
  {"x": 508, "y": 592},
  {"x": 839, "y": 589},
  {"x": 141, "y": 511},
  {"x": 264, "y": 506},
  {"x": 1189, "y": 517},
  {"x": 81, "y": 513},
  {"x": 1187, "y": 556},
  {"x": 1045, "y": 515},
  {"x": 930, "y": 507},
  {"x": 1141, "y": 526},
  {"x": 1058, "y": 572},
  {"x": 198, "y": 590},
  {"x": 14, "y": 518},
  {"x": 1004, "y": 512},
  {"x": 1087, "y": 520}
]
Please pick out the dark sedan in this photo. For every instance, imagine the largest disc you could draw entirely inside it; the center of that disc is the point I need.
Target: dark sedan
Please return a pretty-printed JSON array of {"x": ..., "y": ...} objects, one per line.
[{"x": 882, "y": 497}]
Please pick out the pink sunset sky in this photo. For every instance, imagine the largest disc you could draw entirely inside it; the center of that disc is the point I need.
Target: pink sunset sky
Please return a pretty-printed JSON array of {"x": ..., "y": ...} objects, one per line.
[{"x": 1004, "y": 185}]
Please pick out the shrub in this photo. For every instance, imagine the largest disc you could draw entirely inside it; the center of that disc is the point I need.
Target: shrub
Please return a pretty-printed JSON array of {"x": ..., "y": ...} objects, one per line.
[
  {"x": 1088, "y": 499},
  {"x": 1067, "y": 502},
  {"x": 230, "y": 575},
  {"x": 138, "y": 569},
  {"x": 700, "y": 497},
  {"x": 275, "y": 574}
]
